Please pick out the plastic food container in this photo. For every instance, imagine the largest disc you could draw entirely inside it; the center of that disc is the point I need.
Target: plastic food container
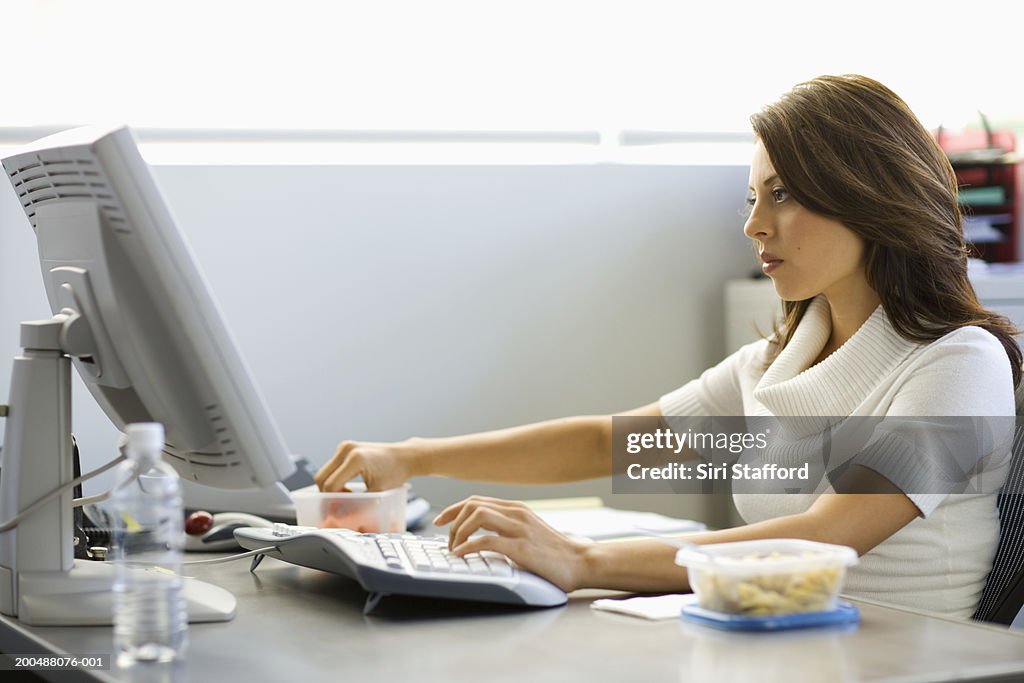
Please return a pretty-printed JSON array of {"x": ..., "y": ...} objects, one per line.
[
  {"x": 360, "y": 510},
  {"x": 767, "y": 577}
]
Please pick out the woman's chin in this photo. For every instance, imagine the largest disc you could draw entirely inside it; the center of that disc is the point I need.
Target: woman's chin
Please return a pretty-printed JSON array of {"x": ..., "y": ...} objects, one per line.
[{"x": 791, "y": 293}]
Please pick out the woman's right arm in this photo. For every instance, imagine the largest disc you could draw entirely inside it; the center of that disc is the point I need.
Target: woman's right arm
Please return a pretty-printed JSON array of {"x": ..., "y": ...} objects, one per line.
[{"x": 567, "y": 449}]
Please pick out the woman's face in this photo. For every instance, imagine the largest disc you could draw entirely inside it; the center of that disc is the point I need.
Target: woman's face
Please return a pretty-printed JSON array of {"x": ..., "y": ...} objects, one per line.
[{"x": 804, "y": 253}]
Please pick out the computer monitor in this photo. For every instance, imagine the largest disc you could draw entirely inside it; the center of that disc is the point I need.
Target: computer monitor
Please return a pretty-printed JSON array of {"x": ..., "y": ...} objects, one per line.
[{"x": 132, "y": 312}]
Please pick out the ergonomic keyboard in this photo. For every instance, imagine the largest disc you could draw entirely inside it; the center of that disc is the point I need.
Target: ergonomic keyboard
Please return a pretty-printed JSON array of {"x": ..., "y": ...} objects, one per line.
[{"x": 403, "y": 564}]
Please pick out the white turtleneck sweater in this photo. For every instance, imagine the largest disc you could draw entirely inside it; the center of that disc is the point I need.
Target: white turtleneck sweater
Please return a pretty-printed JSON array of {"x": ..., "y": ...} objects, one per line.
[{"x": 938, "y": 562}]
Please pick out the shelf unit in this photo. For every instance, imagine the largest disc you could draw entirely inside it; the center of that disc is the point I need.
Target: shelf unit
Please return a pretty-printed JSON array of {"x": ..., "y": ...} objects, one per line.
[
  {"x": 990, "y": 199},
  {"x": 987, "y": 173}
]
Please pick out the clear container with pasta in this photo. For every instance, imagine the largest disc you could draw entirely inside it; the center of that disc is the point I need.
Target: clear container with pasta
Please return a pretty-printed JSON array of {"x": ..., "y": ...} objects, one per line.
[{"x": 767, "y": 577}]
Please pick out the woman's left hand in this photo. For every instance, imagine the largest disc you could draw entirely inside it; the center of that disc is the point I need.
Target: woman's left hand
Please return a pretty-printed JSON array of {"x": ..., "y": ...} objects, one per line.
[{"x": 520, "y": 535}]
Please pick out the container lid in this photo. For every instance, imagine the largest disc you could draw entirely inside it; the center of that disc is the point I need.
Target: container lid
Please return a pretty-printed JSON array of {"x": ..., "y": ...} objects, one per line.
[
  {"x": 357, "y": 490},
  {"x": 844, "y": 614},
  {"x": 766, "y": 556}
]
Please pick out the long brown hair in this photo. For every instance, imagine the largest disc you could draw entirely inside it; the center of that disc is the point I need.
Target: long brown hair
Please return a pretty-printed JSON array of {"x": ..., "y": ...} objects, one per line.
[{"x": 848, "y": 148}]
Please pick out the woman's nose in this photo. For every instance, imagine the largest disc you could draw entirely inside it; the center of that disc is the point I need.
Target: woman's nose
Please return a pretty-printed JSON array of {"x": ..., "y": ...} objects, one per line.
[{"x": 757, "y": 226}]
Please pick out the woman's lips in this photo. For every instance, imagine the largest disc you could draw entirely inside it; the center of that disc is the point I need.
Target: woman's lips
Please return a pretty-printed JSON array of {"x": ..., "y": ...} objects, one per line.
[{"x": 770, "y": 263}]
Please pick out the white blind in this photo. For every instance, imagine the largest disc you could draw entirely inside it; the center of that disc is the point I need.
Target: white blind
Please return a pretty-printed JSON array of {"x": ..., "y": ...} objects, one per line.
[{"x": 477, "y": 65}]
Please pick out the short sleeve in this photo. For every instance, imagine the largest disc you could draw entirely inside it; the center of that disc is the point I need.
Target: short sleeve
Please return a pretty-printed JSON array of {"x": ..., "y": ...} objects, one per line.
[
  {"x": 961, "y": 389},
  {"x": 719, "y": 389}
]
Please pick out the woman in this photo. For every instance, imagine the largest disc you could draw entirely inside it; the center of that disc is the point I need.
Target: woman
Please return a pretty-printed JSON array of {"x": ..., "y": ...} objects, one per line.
[{"x": 854, "y": 215}]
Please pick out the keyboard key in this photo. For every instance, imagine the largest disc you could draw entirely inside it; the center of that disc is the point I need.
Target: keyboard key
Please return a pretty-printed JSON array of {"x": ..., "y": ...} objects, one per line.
[
  {"x": 499, "y": 567},
  {"x": 478, "y": 566}
]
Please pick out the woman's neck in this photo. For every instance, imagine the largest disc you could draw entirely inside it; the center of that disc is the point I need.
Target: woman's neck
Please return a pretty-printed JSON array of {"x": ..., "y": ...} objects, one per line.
[{"x": 848, "y": 311}]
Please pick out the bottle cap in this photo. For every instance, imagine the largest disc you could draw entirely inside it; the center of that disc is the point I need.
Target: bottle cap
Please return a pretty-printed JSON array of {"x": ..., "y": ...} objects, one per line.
[{"x": 145, "y": 436}]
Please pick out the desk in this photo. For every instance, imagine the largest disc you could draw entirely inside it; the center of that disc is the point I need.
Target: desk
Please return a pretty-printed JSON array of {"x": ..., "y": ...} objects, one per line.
[{"x": 297, "y": 624}]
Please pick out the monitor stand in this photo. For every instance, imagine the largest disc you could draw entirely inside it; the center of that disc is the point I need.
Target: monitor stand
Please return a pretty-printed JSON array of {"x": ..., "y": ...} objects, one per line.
[
  {"x": 41, "y": 583},
  {"x": 83, "y": 596}
]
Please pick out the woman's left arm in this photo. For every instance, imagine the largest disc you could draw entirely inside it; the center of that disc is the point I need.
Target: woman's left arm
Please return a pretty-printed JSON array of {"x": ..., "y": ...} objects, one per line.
[{"x": 861, "y": 521}]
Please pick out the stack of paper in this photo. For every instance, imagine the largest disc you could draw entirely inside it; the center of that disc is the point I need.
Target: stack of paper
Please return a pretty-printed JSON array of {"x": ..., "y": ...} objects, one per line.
[{"x": 603, "y": 522}]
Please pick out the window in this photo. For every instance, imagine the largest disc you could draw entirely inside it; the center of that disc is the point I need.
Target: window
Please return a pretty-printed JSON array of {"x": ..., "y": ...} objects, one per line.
[{"x": 455, "y": 66}]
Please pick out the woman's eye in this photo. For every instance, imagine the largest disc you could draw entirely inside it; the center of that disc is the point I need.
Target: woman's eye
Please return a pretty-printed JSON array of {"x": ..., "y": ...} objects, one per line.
[
  {"x": 779, "y": 194},
  {"x": 748, "y": 206}
]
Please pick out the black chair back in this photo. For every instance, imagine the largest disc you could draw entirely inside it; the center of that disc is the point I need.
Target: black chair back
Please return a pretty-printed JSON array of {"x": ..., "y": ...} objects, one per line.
[{"x": 1003, "y": 596}]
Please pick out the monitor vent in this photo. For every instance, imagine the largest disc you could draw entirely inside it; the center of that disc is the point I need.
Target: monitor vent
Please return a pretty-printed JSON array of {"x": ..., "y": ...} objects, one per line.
[
  {"x": 225, "y": 441},
  {"x": 206, "y": 458},
  {"x": 38, "y": 181},
  {"x": 220, "y": 454}
]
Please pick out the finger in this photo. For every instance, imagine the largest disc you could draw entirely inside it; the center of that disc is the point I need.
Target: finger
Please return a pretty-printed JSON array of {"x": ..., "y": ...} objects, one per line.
[
  {"x": 452, "y": 511},
  {"x": 472, "y": 504},
  {"x": 448, "y": 514},
  {"x": 346, "y": 472},
  {"x": 339, "y": 456},
  {"x": 456, "y": 514},
  {"x": 462, "y": 526},
  {"x": 498, "y": 544},
  {"x": 512, "y": 509},
  {"x": 494, "y": 501},
  {"x": 488, "y": 519},
  {"x": 466, "y": 508}
]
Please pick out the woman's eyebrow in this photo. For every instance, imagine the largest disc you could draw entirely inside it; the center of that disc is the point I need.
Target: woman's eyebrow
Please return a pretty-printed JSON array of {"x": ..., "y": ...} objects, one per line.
[{"x": 766, "y": 181}]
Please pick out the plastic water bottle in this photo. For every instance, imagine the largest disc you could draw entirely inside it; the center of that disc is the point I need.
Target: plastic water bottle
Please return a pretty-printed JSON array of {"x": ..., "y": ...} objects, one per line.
[{"x": 150, "y": 612}]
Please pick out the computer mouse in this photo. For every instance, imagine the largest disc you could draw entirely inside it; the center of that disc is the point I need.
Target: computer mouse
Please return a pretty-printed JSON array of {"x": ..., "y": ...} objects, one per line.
[{"x": 220, "y": 536}]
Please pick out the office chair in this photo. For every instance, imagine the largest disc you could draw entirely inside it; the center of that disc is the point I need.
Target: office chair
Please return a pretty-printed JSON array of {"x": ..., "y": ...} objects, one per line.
[{"x": 1003, "y": 597}]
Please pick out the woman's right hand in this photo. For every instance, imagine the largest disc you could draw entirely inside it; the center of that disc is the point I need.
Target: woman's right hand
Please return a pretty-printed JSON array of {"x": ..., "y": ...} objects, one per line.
[{"x": 381, "y": 465}]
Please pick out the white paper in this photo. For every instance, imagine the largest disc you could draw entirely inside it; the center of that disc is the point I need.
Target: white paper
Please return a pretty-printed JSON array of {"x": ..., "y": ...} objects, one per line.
[
  {"x": 602, "y": 522},
  {"x": 656, "y": 607}
]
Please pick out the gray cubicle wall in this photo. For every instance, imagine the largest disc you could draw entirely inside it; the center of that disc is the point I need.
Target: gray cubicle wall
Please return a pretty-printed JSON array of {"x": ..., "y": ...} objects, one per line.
[{"x": 380, "y": 302}]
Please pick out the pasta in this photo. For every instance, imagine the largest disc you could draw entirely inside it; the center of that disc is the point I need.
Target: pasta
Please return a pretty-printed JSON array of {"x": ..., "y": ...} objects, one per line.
[{"x": 765, "y": 592}]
